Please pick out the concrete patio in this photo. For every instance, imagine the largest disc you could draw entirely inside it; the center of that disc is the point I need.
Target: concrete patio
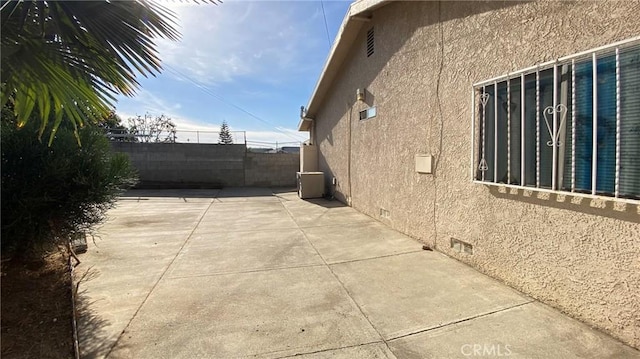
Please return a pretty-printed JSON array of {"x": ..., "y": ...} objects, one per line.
[{"x": 260, "y": 273}]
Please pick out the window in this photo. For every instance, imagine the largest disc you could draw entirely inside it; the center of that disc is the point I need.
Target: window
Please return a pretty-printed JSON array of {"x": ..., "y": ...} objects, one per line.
[
  {"x": 368, "y": 113},
  {"x": 571, "y": 125},
  {"x": 370, "y": 42}
]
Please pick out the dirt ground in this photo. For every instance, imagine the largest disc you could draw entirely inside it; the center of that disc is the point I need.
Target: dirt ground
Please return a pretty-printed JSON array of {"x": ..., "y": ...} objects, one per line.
[{"x": 36, "y": 308}]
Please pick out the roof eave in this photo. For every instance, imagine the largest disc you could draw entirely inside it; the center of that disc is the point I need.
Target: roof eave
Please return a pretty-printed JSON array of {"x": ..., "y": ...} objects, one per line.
[
  {"x": 305, "y": 124},
  {"x": 351, "y": 25}
]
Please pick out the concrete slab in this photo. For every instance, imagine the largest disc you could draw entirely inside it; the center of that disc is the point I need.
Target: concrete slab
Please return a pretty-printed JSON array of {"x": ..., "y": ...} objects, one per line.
[
  {"x": 187, "y": 275},
  {"x": 359, "y": 241},
  {"x": 123, "y": 264},
  {"x": 263, "y": 314},
  {"x": 247, "y": 199},
  {"x": 105, "y": 309},
  {"x": 406, "y": 293},
  {"x": 246, "y": 194},
  {"x": 171, "y": 193},
  {"x": 132, "y": 206},
  {"x": 111, "y": 291},
  {"x": 161, "y": 218},
  {"x": 244, "y": 216},
  {"x": 366, "y": 351},
  {"x": 323, "y": 213},
  {"x": 216, "y": 253},
  {"x": 529, "y": 331}
]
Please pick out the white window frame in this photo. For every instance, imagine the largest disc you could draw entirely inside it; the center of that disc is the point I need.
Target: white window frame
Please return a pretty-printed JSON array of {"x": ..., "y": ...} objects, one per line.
[
  {"x": 477, "y": 121},
  {"x": 369, "y": 113}
]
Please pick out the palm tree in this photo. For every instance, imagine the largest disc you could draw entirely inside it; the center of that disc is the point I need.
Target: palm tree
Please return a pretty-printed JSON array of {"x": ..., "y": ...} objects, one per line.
[{"x": 69, "y": 59}]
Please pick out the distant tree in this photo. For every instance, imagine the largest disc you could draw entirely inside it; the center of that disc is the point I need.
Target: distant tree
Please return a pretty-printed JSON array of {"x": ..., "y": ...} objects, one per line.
[
  {"x": 114, "y": 129},
  {"x": 152, "y": 129},
  {"x": 225, "y": 136}
]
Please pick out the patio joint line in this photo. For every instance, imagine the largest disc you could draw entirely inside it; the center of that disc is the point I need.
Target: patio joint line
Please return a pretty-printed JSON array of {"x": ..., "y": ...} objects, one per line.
[
  {"x": 328, "y": 350},
  {"x": 164, "y": 272},
  {"x": 461, "y": 320},
  {"x": 246, "y": 272},
  {"x": 356, "y": 223},
  {"x": 378, "y": 257},
  {"x": 215, "y": 231},
  {"x": 296, "y": 221},
  {"x": 339, "y": 281}
]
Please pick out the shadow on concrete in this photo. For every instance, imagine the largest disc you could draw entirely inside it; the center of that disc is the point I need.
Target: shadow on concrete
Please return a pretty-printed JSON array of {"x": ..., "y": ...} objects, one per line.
[
  {"x": 138, "y": 194},
  {"x": 282, "y": 193},
  {"x": 227, "y": 192},
  {"x": 230, "y": 192},
  {"x": 146, "y": 184},
  {"x": 282, "y": 190},
  {"x": 93, "y": 339},
  {"x": 326, "y": 203}
]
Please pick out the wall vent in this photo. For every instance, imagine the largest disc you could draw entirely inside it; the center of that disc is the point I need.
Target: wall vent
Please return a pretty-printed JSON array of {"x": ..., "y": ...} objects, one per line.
[
  {"x": 460, "y": 246},
  {"x": 370, "y": 42},
  {"x": 366, "y": 114}
]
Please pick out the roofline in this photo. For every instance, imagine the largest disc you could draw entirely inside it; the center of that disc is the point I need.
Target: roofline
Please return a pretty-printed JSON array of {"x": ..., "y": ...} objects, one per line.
[
  {"x": 305, "y": 124},
  {"x": 349, "y": 29}
]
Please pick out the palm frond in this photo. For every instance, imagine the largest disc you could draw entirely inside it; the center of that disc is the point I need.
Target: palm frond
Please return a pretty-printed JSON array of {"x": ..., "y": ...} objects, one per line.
[{"x": 73, "y": 57}]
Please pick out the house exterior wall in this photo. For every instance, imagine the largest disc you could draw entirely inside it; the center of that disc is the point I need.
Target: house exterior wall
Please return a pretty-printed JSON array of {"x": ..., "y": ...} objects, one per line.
[{"x": 577, "y": 255}]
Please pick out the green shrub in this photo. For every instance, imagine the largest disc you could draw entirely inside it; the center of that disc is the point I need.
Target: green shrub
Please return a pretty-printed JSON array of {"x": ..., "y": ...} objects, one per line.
[{"x": 49, "y": 193}]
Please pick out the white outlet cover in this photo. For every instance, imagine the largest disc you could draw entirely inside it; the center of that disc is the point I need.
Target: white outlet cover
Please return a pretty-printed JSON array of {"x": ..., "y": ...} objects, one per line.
[{"x": 424, "y": 163}]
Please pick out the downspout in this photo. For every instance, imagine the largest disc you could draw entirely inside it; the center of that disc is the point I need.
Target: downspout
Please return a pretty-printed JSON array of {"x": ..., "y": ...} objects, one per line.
[
  {"x": 440, "y": 130},
  {"x": 312, "y": 135}
]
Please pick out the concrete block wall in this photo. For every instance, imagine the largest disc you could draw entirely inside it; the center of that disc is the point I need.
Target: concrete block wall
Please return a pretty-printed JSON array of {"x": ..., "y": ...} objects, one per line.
[
  {"x": 271, "y": 169},
  {"x": 189, "y": 165}
]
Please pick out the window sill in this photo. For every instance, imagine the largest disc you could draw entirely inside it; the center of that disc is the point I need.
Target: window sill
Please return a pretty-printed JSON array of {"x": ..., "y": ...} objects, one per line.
[{"x": 561, "y": 193}]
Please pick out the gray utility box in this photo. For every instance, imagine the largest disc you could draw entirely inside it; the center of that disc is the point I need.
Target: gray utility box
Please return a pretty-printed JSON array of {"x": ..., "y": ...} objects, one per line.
[{"x": 310, "y": 184}]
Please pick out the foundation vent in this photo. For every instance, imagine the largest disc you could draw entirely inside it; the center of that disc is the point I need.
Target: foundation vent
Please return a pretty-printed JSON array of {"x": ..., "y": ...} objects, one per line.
[{"x": 461, "y": 247}]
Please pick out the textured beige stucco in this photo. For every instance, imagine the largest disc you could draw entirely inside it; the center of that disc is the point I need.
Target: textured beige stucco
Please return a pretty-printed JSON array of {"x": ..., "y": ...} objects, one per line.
[{"x": 578, "y": 255}]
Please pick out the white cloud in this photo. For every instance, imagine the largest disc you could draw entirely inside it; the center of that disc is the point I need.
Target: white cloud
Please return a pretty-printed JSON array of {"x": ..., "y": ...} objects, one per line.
[
  {"x": 192, "y": 130},
  {"x": 238, "y": 53},
  {"x": 238, "y": 39},
  {"x": 208, "y": 132},
  {"x": 189, "y": 131}
]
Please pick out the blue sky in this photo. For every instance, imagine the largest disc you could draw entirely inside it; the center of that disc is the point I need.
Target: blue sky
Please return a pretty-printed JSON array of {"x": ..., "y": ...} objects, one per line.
[{"x": 261, "y": 56}]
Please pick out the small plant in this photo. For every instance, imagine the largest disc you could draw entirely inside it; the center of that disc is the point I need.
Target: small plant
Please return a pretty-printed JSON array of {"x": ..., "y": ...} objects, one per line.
[{"x": 51, "y": 192}]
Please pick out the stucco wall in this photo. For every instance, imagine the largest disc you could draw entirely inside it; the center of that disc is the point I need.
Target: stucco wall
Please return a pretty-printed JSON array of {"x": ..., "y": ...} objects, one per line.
[
  {"x": 577, "y": 255},
  {"x": 184, "y": 165}
]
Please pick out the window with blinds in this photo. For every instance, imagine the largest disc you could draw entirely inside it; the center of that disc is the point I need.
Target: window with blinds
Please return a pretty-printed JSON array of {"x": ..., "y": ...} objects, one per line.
[{"x": 571, "y": 125}]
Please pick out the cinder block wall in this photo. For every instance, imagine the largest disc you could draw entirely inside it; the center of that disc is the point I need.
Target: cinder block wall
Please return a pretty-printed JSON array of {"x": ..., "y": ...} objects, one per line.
[
  {"x": 579, "y": 257},
  {"x": 188, "y": 165},
  {"x": 271, "y": 169}
]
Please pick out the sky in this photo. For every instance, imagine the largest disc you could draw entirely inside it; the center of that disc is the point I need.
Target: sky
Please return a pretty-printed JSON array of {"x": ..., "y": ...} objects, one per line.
[{"x": 249, "y": 63}]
